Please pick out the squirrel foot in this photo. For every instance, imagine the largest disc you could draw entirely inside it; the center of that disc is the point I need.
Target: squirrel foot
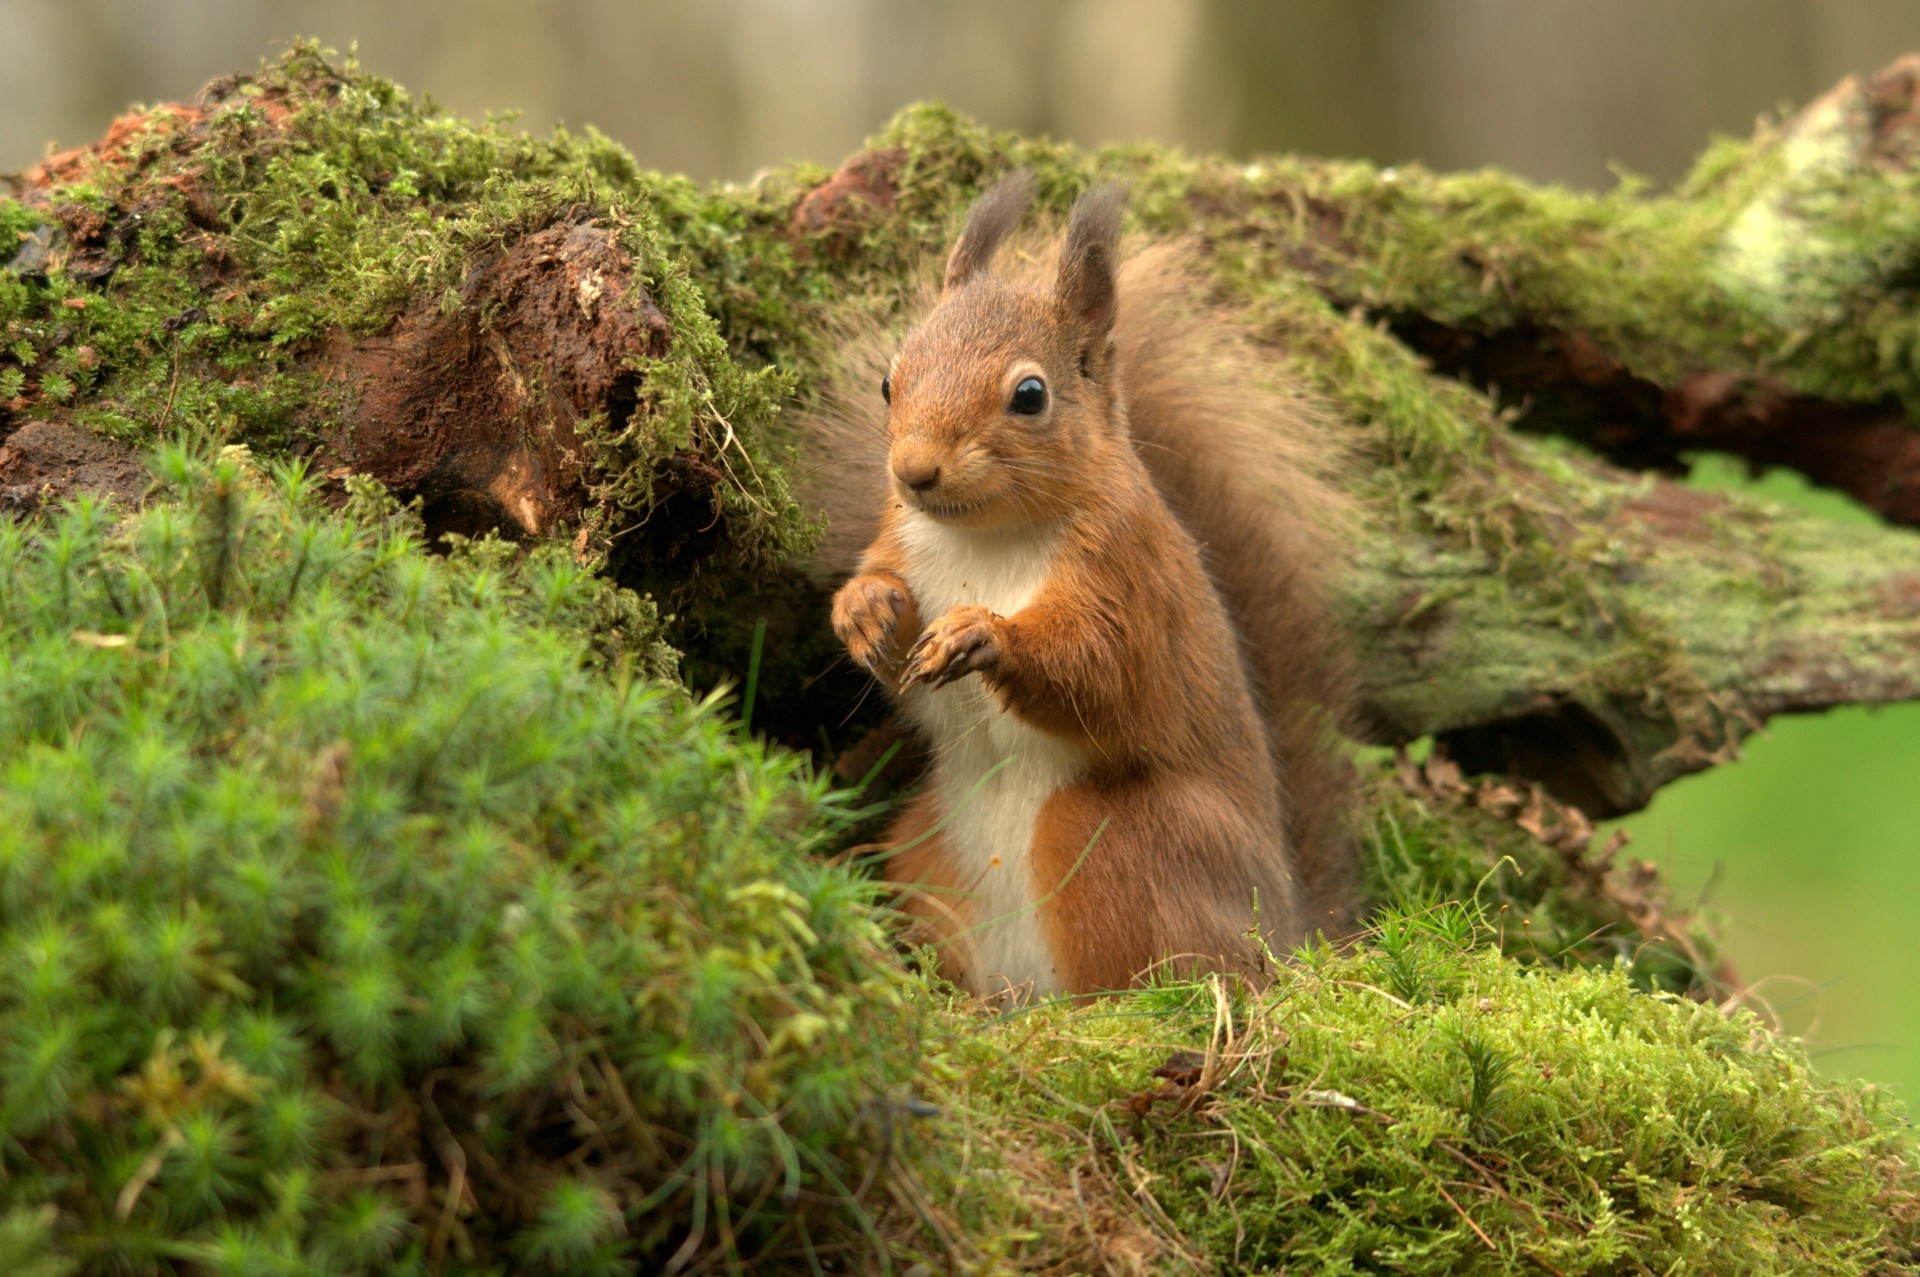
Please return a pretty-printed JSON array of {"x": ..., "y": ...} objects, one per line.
[
  {"x": 964, "y": 640},
  {"x": 866, "y": 614}
]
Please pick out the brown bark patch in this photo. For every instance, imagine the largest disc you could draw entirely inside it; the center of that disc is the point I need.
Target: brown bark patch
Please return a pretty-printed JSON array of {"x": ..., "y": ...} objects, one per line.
[
  {"x": 1568, "y": 385},
  {"x": 1893, "y": 98},
  {"x": 861, "y": 192},
  {"x": 1676, "y": 513},
  {"x": 44, "y": 462},
  {"x": 1899, "y": 596},
  {"x": 115, "y": 151},
  {"x": 481, "y": 411},
  {"x": 129, "y": 141},
  {"x": 1868, "y": 450}
]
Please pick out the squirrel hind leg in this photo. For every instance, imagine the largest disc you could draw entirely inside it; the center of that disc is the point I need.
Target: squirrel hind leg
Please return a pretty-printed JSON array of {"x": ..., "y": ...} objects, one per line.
[
  {"x": 1156, "y": 876},
  {"x": 931, "y": 894}
]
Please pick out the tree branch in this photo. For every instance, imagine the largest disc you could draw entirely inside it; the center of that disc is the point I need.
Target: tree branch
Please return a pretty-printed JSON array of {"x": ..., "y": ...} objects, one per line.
[{"x": 537, "y": 336}]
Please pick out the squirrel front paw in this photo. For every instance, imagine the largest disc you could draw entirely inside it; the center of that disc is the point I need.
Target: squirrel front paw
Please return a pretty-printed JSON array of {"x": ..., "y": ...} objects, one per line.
[
  {"x": 867, "y": 613},
  {"x": 964, "y": 640}
]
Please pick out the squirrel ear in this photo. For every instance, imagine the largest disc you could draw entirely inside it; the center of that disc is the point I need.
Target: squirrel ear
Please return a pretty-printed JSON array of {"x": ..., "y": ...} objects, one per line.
[
  {"x": 992, "y": 216},
  {"x": 1086, "y": 290}
]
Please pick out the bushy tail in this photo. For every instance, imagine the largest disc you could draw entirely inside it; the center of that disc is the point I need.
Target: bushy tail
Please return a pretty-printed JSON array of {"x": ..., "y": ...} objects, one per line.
[
  {"x": 1249, "y": 465},
  {"x": 840, "y": 430}
]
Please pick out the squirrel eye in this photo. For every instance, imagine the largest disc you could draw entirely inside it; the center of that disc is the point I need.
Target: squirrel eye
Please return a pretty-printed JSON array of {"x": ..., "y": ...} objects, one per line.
[
  {"x": 1029, "y": 397},
  {"x": 886, "y": 389}
]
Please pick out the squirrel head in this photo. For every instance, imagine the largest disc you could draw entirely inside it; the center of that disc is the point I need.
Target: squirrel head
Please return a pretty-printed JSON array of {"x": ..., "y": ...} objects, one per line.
[{"x": 1004, "y": 397}]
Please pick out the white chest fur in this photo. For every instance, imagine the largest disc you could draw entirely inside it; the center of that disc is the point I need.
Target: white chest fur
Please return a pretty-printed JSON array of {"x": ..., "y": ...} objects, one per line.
[{"x": 992, "y": 773}]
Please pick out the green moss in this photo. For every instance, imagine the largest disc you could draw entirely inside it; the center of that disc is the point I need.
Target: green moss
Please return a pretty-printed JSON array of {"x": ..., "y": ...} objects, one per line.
[
  {"x": 27, "y": 1245},
  {"x": 1782, "y": 256},
  {"x": 1543, "y": 905},
  {"x": 1426, "y": 1106},
  {"x": 334, "y": 875}
]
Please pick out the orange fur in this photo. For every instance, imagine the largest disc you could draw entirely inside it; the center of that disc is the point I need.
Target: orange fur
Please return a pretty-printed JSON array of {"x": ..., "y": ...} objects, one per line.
[{"x": 1166, "y": 677}]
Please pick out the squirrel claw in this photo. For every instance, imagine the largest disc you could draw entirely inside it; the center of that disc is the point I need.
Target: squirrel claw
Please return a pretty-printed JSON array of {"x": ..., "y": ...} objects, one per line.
[
  {"x": 963, "y": 641},
  {"x": 866, "y": 613}
]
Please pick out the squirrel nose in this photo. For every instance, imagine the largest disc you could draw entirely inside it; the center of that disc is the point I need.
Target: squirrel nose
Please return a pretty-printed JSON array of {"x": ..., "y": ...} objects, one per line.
[{"x": 917, "y": 474}]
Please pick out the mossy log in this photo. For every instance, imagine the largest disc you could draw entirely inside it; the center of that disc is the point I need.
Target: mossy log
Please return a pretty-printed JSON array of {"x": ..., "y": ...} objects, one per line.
[
  {"x": 367, "y": 909},
  {"x": 539, "y": 337}
]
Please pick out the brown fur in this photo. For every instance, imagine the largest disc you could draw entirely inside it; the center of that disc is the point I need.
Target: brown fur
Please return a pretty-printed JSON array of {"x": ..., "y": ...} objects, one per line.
[
  {"x": 1251, "y": 467},
  {"x": 1182, "y": 636}
]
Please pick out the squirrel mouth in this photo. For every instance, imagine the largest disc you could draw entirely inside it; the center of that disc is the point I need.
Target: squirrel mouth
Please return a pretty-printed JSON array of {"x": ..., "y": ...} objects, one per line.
[{"x": 947, "y": 509}]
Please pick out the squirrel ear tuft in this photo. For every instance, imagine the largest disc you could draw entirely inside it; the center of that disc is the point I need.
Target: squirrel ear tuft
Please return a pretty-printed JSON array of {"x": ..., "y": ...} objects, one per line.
[
  {"x": 988, "y": 221},
  {"x": 1086, "y": 290}
]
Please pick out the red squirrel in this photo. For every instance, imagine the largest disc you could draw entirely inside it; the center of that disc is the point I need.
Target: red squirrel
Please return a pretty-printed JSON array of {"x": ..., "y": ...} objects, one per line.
[{"x": 1127, "y": 728}]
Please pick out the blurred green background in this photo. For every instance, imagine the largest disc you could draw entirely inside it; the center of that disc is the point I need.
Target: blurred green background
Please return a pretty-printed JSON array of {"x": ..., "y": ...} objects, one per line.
[
  {"x": 1809, "y": 845},
  {"x": 1808, "y": 849}
]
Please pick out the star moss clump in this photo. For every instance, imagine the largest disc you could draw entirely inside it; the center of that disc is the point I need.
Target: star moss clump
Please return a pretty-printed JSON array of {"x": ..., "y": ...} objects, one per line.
[{"x": 369, "y": 911}]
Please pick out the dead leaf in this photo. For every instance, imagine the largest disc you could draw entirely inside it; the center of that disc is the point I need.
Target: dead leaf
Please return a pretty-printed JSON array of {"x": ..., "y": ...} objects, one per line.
[{"x": 1183, "y": 1068}]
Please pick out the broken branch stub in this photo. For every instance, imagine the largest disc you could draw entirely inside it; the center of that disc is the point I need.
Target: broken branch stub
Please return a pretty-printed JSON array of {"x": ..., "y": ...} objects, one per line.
[{"x": 1786, "y": 270}]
